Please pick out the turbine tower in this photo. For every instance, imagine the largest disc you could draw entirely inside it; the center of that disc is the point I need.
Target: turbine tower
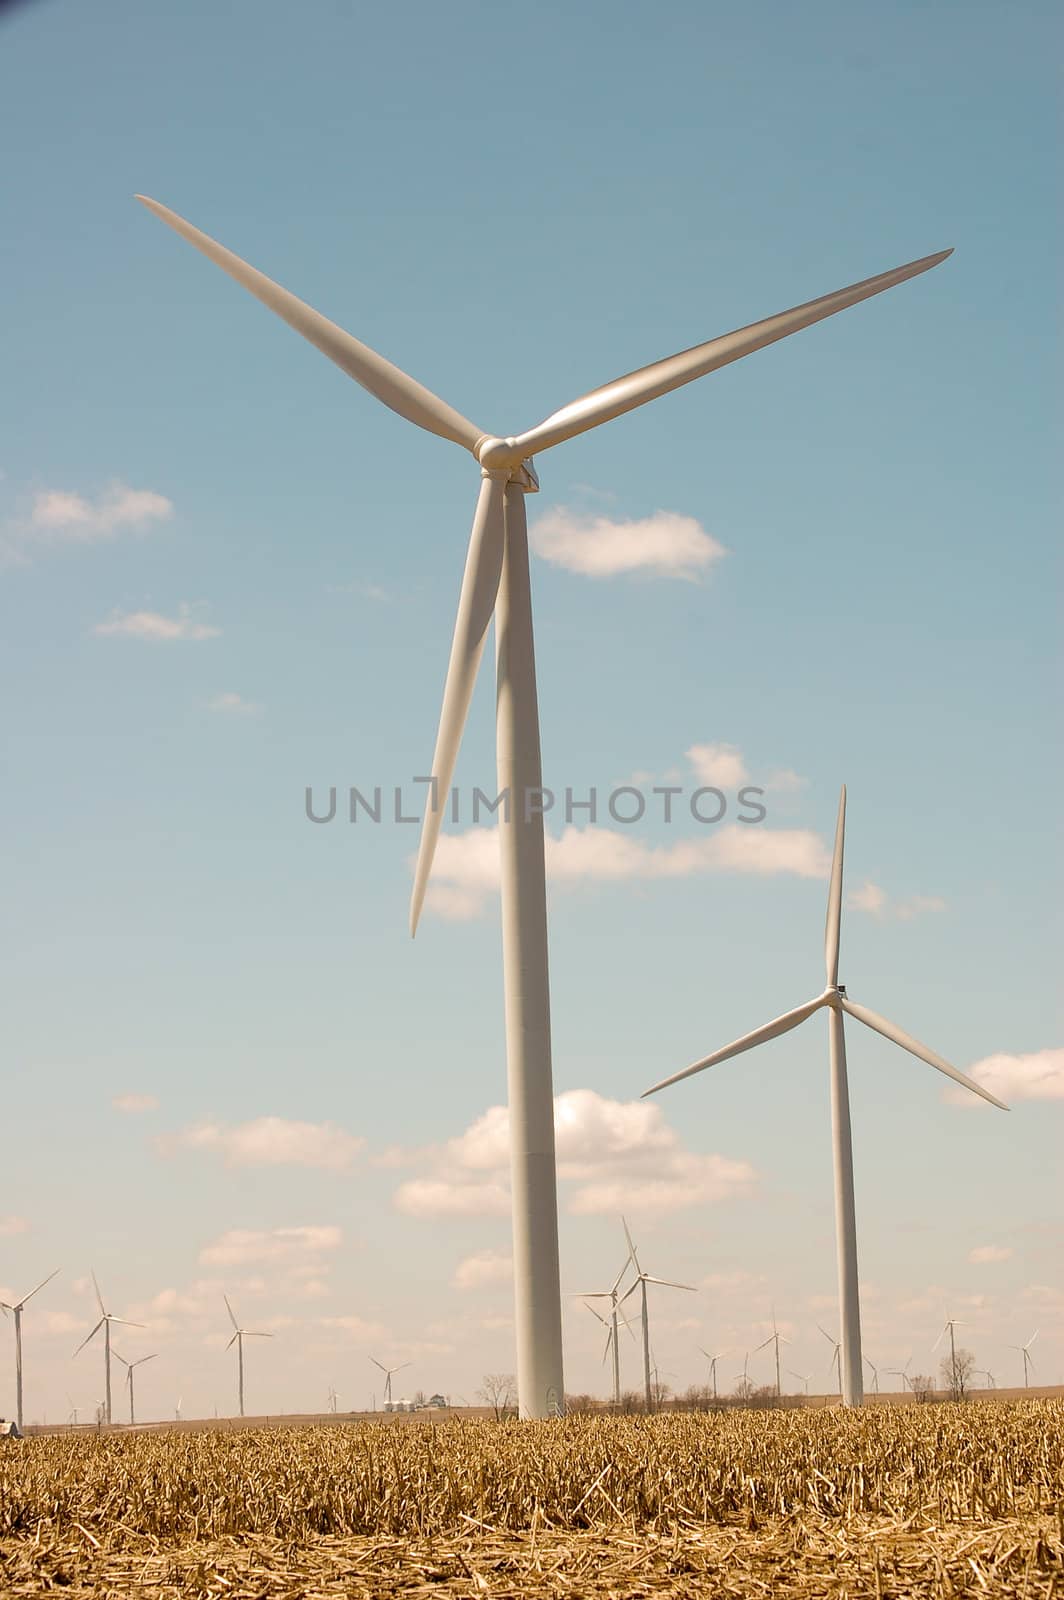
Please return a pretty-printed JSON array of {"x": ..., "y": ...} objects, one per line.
[
  {"x": 802, "y": 1377},
  {"x": 641, "y": 1280},
  {"x": 129, "y": 1366},
  {"x": 950, "y": 1324},
  {"x": 105, "y": 1322},
  {"x": 836, "y": 1001},
  {"x": 388, "y": 1372},
  {"x": 875, "y": 1375},
  {"x": 496, "y": 580},
  {"x": 1025, "y": 1351},
  {"x": 16, "y": 1311},
  {"x": 610, "y": 1325},
  {"x": 239, "y": 1335}
]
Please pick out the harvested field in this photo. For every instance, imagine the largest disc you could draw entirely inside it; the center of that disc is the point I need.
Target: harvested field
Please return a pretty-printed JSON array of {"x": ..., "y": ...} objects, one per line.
[{"x": 908, "y": 1501}]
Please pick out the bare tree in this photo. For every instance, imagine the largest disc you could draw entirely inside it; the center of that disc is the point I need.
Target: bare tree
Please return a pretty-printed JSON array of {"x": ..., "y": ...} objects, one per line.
[
  {"x": 923, "y": 1387},
  {"x": 956, "y": 1373},
  {"x": 498, "y": 1392}
]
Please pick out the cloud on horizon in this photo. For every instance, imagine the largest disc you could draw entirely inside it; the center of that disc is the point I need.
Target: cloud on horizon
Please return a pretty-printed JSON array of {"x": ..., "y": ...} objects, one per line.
[
  {"x": 269, "y": 1142},
  {"x": 664, "y": 545}
]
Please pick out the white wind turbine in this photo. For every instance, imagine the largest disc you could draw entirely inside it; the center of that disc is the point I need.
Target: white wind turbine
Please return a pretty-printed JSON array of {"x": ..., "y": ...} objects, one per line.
[
  {"x": 950, "y": 1324},
  {"x": 388, "y": 1373},
  {"x": 239, "y": 1335},
  {"x": 641, "y": 1280},
  {"x": 713, "y": 1359},
  {"x": 875, "y": 1375},
  {"x": 496, "y": 580},
  {"x": 902, "y": 1373},
  {"x": 1025, "y": 1351},
  {"x": 105, "y": 1322},
  {"x": 989, "y": 1376},
  {"x": 15, "y": 1309},
  {"x": 836, "y": 1001},
  {"x": 802, "y": 1378},
  {"x": 836, "y": 1349},
  {"x": 610, "y": 1325},
  {"x": 776, "y": 1338},
  {"x": 129, "y": 1366}
]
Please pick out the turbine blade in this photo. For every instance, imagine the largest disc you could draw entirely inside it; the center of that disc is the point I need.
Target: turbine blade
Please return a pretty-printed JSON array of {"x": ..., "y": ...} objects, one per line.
[
  {"x": 99, "y": 1296},
  {"x": 771, "y": 1030},
  {"x": 376, "y": 1363},
  {"x": 395, "y": 388},
  {"x": 126, "y": 1322},
  {"x": 890, "y": 1031},
  {"x": 832, "y": 927},
  {"x": 232, "y": 1318},
  {"x": 250, "y": 1333},
  {"x": 480, "y": 586},
  {"x": 89, "y": 1336},
  {"x": 604, "y": 1320},
  {"x": 632, "y": 1257},
  {"x": 758, "y": 1347},
  {"x": 233, "y": 1340},
  {"x": 41, "y": 1285},
  {"x": 142, "y": 1360},
  {"x": 403, "y": 1367},
  {"x": 1031, "y": 1340},
  {"x": 938, "y": 1341},
  {"x": 667, "y": 1284},
  {"x": 636, "y": 388},
  {"x": 117, "y": 1357}
]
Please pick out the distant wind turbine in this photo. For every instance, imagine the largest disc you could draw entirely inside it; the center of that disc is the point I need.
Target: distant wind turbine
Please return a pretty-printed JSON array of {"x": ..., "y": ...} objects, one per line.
[
  {"x": 902, "y": 1373},
  {"x": 129, "y": 1366},
  {"x": 989, "y": 1376},
  {"x": 837, "y": 1002},
  {"x": 835, "y": 1362},
  {"x": 612, "y": 1295},
  {"x": 496, "y": 581},
  {"x": 177, "y": 1409},
  {"x": 641, "y": 1280},
  {"x": 713, "y": 1359},
  {"x": 16, "y": 1311},
  {"x": 745, "y": 1377},
  {"x": 332, "y": 1399},
  {"x": 239, "y": 1335},
  {"x": 950, "y": 1324},
  {"x": 776, "y": 1338},
  {"x": 802, "y": 1378},
  {"x": 388, "y": 1373},
  {"x": 610, "y": 1325},
  {"x": 1025, "y": 1351},
  {"x": 875, "y": 1375},
  {"x": 105, "y": 1322}
]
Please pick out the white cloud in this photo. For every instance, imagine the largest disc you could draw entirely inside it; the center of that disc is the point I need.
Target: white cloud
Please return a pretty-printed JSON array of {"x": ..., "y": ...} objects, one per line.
[
  {"x": 869, "y": 897},
  {"x": 239, "y": 1246},
  {"x": 1038, "y": 1076},
  {"x": 153, "y": 625},
  {"x": 9, "y": 1226},
  {"x": 615, "y": 1155},
  {"x": 58, "y": 514},
  {"x": 665, "y": 544},
  {"x": 876, "y": 901},
  {"x": 486, "y": 1267},
  {"x": 270, "y": 1142},
  {"x": 466, "y": 870},
  {"x": 132, "y": 1104},
  {"x": 234, "y": 705},
  {"x": 718, "y": 766},
  {"x": 990, "y": 1252}
]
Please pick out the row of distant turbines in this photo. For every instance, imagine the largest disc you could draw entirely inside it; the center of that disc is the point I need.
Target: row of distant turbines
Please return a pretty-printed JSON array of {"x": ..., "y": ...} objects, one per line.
[
  {"x": 496, "y": 585},
  {"x": 616, "y": 1317}
]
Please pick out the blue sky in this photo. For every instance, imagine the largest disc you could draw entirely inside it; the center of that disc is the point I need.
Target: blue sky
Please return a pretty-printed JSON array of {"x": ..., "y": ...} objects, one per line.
[{"x": 226, "y": 573}]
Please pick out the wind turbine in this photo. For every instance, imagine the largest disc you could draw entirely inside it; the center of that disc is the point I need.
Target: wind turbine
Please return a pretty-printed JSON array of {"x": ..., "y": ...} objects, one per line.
[
  {"x": 105, "y": 1322},
  {"x": 746, "y": 1373},
  {"x": 835, "y": 1362},
  {"x": 989, "y": 1376},
  {"x": 332, "y": 1399},
  {"x": 16, "y": 1311},
  {"x": 496, "y": 580},
  {"x": 1025, "y": 1351},
  {"x": 177, "y": 1409},
  {"x": 875, "y": 1375},
  {"x": 802, "y": 1378},
  {"x": 713, "y": 1359},
  {"x": 950, "y": 1324},
  {"x": 611, "y": 1295},
  {"x": 239, "y": 1335},
  {"x": 775, "y": 1337},
  {"x": 610, "y": 1325},
  {"x": 902, "y": 1373},
  {"x": 129, "y": 1366},
  {"x": 836, "y": 1001},
  {"x": 388, "y": 1371},
  {"x": 641, "y": 1280}
]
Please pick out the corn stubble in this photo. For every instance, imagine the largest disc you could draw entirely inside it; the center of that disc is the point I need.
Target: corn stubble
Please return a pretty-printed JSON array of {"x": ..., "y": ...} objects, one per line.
[{"x": 892, "y": 1501}]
